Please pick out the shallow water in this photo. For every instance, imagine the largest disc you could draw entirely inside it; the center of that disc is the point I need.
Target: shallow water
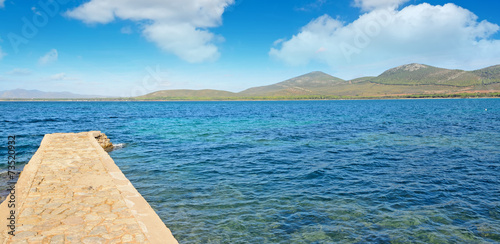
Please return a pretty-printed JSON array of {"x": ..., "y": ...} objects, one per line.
[{"x": 420, "y": 171}]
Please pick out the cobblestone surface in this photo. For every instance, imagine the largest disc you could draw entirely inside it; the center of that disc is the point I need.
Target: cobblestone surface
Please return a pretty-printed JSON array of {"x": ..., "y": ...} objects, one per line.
[{"x": 73, "y": 199}]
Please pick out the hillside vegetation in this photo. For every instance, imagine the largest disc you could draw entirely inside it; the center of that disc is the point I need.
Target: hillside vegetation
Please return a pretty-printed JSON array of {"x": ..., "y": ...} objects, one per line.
[
  {"x": 406, "y": 80},
  {"x": 312, "y": 83},
  {"x": 419, "y": 74},
  {"x": 489, "y": 75}
]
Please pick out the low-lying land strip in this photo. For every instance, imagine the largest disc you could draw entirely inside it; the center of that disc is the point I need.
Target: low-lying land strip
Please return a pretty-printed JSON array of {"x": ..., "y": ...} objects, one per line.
[{"x": 406, "y": 81}]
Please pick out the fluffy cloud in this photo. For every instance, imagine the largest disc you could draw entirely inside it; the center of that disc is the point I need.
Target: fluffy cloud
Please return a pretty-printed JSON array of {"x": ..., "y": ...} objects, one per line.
[
  {"x": 375, "y": 4},
  {"x": 49, "y": 57},
  {"x": 438, "y": 35},
  {"x": 184, "y": 40},
  {"x": 2, "y": 4},
  {"x": 176, "y": 26}
]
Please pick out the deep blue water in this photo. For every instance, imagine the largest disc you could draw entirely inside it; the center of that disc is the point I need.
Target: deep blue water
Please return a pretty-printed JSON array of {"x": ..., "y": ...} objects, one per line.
[{"x": 385, "y": 171}]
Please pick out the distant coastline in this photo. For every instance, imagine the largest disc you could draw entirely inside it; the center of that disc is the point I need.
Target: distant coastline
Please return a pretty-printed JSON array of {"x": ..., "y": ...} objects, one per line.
[
  {"x": 270, "y": 98},
  {"x": 411, "y": 81}
]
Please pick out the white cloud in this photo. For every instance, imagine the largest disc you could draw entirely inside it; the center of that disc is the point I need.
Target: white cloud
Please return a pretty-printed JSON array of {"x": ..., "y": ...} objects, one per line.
[
  {"x": 184, "y": 40},
  {"x": 438, "y": 35},
  {"x": 368, "y": 5},
  {"x": 49, "y": 57},
  {"x": 279, "y": 41},
  {"x": 176, "y": 26},
  {"x": 59, "y": 77},
  {"x": 19, "y": 71},
  {"x": 317, "y": 4},
  {"x": 2, "y": 4}
]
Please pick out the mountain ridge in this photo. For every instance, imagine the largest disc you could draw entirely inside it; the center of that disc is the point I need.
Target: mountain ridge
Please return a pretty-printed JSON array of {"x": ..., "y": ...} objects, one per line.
[
  {"x": 303, "y": 84},
  {"x": 420, "y": 74},
  {"x": 406, "y": 79}
]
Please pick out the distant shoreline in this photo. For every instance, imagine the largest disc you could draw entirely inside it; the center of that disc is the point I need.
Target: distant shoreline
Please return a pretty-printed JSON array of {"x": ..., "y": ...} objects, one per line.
[{"x": 301, "y": 98}]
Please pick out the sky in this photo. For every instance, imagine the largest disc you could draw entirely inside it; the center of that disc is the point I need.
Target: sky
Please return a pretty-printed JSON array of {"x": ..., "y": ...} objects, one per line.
[{"x": 133, "y": 47}]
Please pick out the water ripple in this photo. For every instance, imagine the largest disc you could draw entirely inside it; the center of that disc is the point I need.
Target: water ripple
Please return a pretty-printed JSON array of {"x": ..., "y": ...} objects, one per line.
[{"x": 405, "y": 171}]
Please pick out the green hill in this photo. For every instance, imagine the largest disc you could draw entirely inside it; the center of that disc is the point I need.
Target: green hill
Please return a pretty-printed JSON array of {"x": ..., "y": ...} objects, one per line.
[
  {"x": 187, "y": 94},
  {"x": 419, "y": 74},
  {"x": 403, "y": 81},
  {"x": 361, "y": 79},
  {"x": 314, "y": 83},
  {"x": 489, "y": 75}
]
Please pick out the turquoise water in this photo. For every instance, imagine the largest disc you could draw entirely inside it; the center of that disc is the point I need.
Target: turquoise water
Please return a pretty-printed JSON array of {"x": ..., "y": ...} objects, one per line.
[{"x": 390, "y": 171}]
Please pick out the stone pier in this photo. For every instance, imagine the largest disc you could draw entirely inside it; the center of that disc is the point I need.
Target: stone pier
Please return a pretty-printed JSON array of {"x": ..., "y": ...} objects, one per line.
[{"x": 71, "y": 191}]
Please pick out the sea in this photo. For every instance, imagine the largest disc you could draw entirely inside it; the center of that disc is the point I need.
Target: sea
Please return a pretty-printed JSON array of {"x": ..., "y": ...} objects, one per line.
[{"x": 363, "y": 171}]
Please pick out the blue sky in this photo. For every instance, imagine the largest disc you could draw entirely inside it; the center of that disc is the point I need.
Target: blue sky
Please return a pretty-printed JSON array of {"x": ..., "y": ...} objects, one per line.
[{"x": 132, "y": 47}]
